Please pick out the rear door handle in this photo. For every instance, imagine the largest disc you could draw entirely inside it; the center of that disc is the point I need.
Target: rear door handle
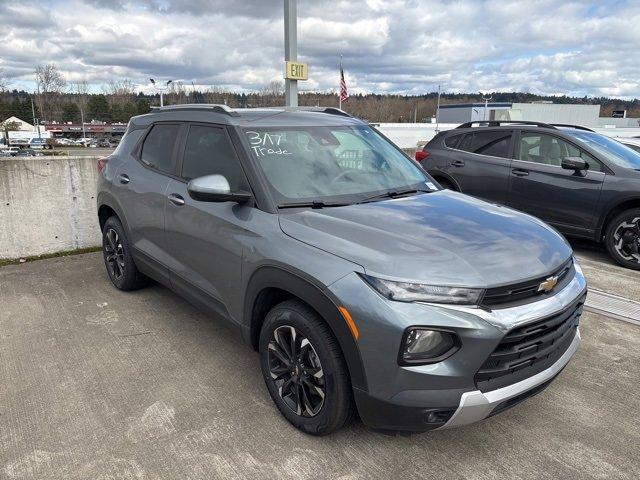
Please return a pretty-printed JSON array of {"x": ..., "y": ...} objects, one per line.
[
  {"x": 176, "y": 199},
  {"x": 457, "y": 163},
  {"x": 520, "y": 172},
  {"x": 124, "y": 178}
]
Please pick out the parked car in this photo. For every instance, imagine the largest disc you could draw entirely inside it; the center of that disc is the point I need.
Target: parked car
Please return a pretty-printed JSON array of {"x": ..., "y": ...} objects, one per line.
[
  {"x": 632, "y": 143},
  {"x": 40, "y": 144},
  {"x": 28, "y": 152},
  {"x": 583, "y": 183},
  {"x": 361, "y": 283},
  {"x": 10, "y": 151},
  {"x": 84, "y": 142},
  {"x": 103, "y": 143}
]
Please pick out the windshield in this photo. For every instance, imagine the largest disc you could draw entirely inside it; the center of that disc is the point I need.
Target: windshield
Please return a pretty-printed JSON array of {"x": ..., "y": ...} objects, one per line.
[
  {"x": 609, "y": 148},
  {"x": 331, "y": 164}
]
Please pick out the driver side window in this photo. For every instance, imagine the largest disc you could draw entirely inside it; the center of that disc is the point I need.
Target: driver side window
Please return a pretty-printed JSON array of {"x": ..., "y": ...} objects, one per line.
[{"x": 550, "y": 150}]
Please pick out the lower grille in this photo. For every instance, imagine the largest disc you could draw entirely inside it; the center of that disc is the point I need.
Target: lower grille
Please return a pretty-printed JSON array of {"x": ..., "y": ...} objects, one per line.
[{"x": 529, "y": 349}]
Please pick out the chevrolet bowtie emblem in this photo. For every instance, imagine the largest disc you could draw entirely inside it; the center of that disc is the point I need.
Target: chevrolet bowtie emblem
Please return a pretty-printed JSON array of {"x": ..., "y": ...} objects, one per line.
[{"x": 548, "y": 285}]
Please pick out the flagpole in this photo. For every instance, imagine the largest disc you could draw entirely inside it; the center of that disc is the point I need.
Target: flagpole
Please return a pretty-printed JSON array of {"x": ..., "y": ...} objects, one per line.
[{"x": 339, "y": 88}]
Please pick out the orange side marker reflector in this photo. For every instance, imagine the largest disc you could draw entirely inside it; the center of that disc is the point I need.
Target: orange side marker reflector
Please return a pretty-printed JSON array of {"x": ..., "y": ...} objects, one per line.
[{"x": 350, "y": 323}]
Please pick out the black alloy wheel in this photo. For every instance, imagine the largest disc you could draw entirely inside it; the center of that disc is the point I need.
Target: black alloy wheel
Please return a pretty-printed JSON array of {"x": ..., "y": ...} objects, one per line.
[
  {"x": 114, "y": 254},
  {"x": 118, "y": 261},
  {"x": 296, "y": 371},
  {"x": 623, "y": 239},
  {"x": 304, "y": 369}
]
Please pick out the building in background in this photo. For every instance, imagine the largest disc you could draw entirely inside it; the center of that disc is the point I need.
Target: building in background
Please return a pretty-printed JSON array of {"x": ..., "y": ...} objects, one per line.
[
  {"x": 547, "y": 112},
  {"x": 21, "y": 125}
]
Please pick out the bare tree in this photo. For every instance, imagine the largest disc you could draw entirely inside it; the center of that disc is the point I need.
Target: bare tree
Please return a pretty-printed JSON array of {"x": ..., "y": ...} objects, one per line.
[
  {"x": 177, "y": 93},
  {"x": 4, "y": 83},
  {"x": 273, "y": 94},
  {"x": 120, "y": 91},
  {"x": 49, "y": 82}
]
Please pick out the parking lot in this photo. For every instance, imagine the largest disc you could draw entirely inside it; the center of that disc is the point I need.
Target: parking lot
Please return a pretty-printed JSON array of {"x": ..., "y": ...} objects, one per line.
[{"x": 97, "y": 383}]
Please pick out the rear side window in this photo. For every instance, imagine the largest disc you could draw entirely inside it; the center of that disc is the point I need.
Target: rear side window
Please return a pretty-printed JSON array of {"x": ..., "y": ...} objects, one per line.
[
  {"x": 157, "y": 150},
  {"x": 493, "y": 143},
  {"x": 208, "y": 151},
  {"x": 452, "y": 141}
]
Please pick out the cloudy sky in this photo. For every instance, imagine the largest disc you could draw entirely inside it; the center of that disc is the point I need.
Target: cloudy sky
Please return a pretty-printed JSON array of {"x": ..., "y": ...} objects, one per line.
[{"x": 544, "y": 46}]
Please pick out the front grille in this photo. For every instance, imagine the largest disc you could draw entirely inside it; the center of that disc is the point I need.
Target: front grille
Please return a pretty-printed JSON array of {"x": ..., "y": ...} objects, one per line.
[
  {"x": 529, "y": 349},
  {"x": 526, "y": 292}
]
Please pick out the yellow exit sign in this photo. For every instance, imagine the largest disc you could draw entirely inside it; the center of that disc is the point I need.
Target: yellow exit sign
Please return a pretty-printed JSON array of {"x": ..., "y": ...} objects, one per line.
[{"x": 296, "y": 71}]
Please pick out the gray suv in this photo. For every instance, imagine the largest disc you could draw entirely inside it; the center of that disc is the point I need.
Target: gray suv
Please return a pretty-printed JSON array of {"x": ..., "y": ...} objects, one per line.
[
  {"x": 583, "y": 183},
  {"x": 364, "y": 286}
]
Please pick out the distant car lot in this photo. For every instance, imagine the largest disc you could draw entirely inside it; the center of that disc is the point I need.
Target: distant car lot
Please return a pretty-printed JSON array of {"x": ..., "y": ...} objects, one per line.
[{"x": 99, "y": 383}]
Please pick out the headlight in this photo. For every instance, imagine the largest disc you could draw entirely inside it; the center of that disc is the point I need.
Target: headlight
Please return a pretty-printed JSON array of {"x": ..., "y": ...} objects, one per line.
[
  {"x": 418, "y": 292},
  {"x": 421, "y": 345}
]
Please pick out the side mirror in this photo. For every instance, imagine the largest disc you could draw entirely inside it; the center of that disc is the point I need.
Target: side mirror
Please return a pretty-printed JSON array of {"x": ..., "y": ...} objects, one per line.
[
  {"x": 215, "y": 188},
  {"x": 574, "y": 163}
]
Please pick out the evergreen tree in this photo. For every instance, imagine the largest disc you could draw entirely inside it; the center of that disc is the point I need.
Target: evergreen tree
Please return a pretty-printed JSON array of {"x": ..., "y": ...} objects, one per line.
[
  {"x": 98, "y": 108},
  {"x": 129, "y": 110},
  {"x": 70, "y": 112},
  {"x": 143, "y": 106}
]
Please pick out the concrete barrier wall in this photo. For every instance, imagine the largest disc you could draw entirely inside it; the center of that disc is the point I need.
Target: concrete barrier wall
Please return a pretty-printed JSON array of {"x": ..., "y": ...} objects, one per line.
[{"x": 48, "y": 205}]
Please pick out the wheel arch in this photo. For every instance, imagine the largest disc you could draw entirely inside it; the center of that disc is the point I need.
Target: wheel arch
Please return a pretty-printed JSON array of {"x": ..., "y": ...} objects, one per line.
[
  {"x": 613, "y": 211},
  {"x": 437, "y": 176},
  {"x": 108, "y": 206},
  {"x": 269, "y": 286}
]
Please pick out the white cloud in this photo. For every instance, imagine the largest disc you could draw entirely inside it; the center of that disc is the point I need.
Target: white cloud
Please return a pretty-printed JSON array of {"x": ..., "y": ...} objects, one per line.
[{"x": 543, "y": 46}]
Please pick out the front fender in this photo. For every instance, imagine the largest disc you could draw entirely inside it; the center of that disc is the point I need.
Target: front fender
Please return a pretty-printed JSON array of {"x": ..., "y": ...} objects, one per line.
[{"x": 316, "y": 296}]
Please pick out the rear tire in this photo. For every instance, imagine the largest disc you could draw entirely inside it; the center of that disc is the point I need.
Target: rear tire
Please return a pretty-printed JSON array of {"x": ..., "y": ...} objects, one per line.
[
  {"x": 118, "y": 260},
  {"x": 310, "y": 387},
  {"x": 622, "y": 238}
]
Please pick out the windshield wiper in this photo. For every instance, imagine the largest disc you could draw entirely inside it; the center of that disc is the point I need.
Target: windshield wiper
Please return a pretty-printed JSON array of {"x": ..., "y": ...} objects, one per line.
[
  {"x": 393, "y": 194},
  {"x": 312, "y": 204}
]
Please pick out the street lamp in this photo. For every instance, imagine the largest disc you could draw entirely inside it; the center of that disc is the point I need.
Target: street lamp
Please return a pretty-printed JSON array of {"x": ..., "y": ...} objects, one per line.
[
  {"x": 486, "y": 104},
  {"x": 161, "y": 89},
  {"x": 438, "y": 110}
]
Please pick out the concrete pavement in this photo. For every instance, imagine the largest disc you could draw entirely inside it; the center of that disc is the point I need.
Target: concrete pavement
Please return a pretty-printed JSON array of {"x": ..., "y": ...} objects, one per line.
[{"x": 97, "y": 383}]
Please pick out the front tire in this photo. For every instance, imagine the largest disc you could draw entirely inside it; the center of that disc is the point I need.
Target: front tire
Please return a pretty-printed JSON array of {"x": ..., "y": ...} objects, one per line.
[
  {"x": 304, "y": 369},
  {"x": 118, "y": 260},
  {"x": 622, "y": 238}
]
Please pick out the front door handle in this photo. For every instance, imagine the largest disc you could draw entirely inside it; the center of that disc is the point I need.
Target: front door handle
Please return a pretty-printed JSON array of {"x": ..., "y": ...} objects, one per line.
[
  {"x": 457, "y": 163},
  {"x": 176, "y": 199},
  {"x": 520, "y": 172},
  {"x": 124, "y": 178}
]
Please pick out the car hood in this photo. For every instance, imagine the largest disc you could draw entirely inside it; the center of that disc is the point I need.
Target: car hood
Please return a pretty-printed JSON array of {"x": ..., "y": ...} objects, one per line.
[{"x": 443, "y": 238}]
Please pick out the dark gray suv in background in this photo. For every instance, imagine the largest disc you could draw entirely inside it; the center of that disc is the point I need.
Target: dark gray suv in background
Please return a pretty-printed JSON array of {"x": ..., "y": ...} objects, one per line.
[
  {"x": 583, "y": 183},
  {"x": 364, "y": 287}
]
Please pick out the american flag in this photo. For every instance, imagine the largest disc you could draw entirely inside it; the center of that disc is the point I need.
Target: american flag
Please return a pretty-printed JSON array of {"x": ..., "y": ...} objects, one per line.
[{"x": 343, "y": 86}]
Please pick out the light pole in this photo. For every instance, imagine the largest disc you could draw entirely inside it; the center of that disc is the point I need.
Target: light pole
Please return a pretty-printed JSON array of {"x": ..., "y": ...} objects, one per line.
[
  {"x": 161, "y": 89},
  {"x": 438, "y": 110},
  {"x": 486, "y": 104},
  {"x": 290, "y": 50},
  {"x": 35, "y": 120}
]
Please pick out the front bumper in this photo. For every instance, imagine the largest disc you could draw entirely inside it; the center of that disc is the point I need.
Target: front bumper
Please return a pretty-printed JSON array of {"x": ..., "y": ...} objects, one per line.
[
  {"x": 444, "y": 394},
  {"x": 475, "y": 406}
]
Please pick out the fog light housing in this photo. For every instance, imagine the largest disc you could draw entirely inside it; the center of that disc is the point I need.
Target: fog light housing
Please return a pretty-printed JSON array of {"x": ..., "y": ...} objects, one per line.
[{"x": 421, "y": 345}]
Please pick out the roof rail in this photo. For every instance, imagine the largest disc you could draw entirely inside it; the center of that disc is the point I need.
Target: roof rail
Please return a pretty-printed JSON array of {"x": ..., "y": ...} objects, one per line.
[
  {"x": 209, "y": 107},
  {"x": 577, "y": 127},
  {"x": 329, "y": 110},
  {"x": 497, "y": 123}
]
